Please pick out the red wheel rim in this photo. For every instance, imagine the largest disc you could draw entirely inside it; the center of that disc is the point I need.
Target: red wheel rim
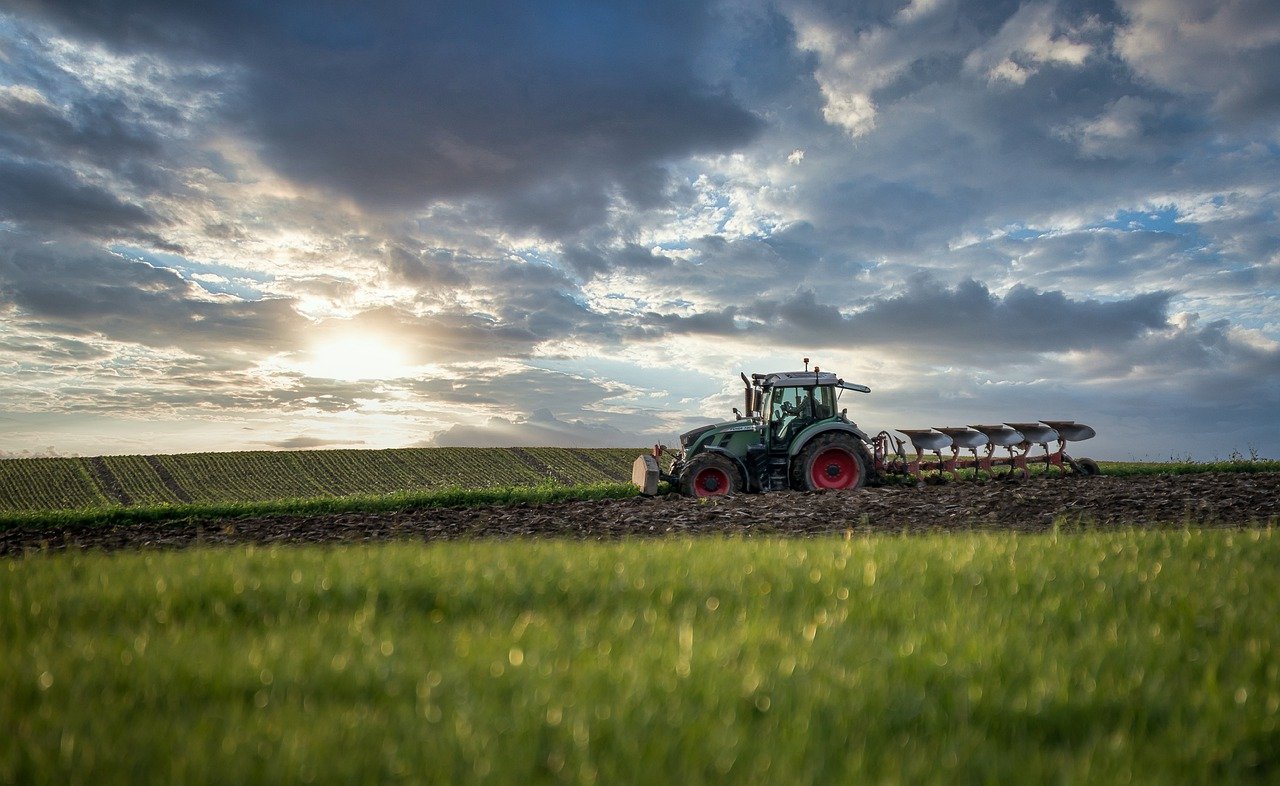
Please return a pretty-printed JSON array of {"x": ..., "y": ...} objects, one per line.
[
  {"x": 711, "y": 482},
  {"x": 834, "y": 469}
]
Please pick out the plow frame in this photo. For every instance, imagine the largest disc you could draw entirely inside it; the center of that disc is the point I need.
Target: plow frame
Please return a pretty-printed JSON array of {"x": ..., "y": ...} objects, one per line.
[{"x": 889, "y": 457}]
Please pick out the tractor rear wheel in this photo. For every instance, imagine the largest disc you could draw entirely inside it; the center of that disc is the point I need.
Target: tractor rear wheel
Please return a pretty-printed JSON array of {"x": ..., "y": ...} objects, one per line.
[
  {"x": 709, "y": 475},
  {"x": 832, "y": 461}
]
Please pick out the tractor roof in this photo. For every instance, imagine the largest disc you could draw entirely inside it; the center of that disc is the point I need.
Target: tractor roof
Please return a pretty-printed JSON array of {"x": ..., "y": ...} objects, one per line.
[
  {"x": 795, "y": 379},
  {"x": 804, "y": 379}
]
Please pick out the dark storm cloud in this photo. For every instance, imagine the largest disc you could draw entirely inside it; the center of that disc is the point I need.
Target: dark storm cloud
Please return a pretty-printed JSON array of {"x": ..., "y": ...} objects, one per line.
[
  {"x": 400, "y": 103},
  {"x": 589, "y": 261},
  {"x": 53, "y": 197},
  {"x": 969, "y": 315},
  {"x": 101, "y": 129},
  {"x": 86, "y": 144},
  {"x": 78, "y": 290},
  {"x": 964, "y": 322},
  {"x": 424, "y": 267}
]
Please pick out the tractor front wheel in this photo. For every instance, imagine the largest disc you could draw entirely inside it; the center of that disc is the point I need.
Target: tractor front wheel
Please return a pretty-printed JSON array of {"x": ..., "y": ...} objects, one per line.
[
  {"x": 832, "y": 462},
  {"x": 709, "y": 475}
]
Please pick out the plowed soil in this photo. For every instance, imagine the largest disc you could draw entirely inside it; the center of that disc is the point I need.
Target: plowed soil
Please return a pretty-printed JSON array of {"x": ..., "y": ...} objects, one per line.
[{"x": 1208, "y": 499}]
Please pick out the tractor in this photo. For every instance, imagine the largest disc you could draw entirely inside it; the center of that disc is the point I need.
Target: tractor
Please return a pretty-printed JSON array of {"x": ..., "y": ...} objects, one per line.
[{"x": 792, "y": 434}]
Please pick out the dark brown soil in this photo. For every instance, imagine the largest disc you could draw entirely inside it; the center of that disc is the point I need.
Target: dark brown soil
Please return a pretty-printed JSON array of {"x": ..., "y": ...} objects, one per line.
[{"x": 1208, "y": 499}]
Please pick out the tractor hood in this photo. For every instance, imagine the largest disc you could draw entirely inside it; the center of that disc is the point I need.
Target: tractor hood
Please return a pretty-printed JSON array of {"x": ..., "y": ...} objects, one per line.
[{"x": 691, "y": 438}]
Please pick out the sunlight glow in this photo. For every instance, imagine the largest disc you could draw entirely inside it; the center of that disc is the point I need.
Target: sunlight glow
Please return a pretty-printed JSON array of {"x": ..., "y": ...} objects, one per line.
[{"x": 357, "y": 356}]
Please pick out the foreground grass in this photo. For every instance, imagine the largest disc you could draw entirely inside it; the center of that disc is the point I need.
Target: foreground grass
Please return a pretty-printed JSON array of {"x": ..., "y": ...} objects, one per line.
[{"x": 1092, "y": 657}]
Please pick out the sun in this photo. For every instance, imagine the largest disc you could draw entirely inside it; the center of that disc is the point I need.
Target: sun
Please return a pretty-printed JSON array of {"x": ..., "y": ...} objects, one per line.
[{"x": 357, "y": 356}]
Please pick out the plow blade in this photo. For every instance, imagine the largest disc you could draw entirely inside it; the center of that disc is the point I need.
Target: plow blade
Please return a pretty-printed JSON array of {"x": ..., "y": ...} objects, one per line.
[
  {"x": 923, "y": 439},
  {"x": 1035, "y": 433},
  {"x": 966, "y": 437},
  {"x": 1000, "y": 435},
  {"x": 1071, "y": 431},
  {"x": 1017, "y": 439}
]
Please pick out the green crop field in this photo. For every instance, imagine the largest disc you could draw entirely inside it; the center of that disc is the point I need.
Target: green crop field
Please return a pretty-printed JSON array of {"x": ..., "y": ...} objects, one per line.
[
  {"x": 1138, "y": 656},
  {"x": 119, "y": 489},
  {"x": 28, "y": 485}
]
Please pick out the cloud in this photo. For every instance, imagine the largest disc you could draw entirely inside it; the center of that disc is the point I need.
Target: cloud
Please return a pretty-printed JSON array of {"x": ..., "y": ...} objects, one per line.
[
  {"x": 509, "y": 388},
  {"x": 539, "y": 429},
  {"x": 1229, "y": 51},
  {"x": 398, "y": 104},
  {"x": 965, "y": 323},
  {"x": 49, "y": 196},
  {"x": 302, "y": 442},
  {"x": 98, "y": 129},
  {"x": 1032, "y": 38},
  {"x": 79, "y": 290},
  {"x": 513, "y": 309},
  {"x": 588, "y": 261},
  {"x": 409, "y": 263},
  {"x": 1122, "y": 130}
]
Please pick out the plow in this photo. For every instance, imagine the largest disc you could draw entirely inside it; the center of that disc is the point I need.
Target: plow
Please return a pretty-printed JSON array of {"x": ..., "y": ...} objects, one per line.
[{"x": 790, "y": 436}]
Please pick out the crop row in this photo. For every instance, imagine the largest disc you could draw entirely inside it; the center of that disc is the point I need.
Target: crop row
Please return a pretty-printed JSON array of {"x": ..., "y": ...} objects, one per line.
[{"x": 67, "y": 483}]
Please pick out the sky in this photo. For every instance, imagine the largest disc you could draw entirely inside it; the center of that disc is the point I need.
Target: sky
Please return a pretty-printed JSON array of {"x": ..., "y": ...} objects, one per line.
[{"x": 238, "y": 225}]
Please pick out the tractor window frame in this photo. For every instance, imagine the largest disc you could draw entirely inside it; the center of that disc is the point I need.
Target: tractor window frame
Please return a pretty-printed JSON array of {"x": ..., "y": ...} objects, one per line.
[{"x": 803, "y": 401}]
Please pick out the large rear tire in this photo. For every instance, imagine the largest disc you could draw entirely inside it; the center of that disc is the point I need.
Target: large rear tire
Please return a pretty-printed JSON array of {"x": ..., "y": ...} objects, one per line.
[
  {"x": 832, "y": 461},
  {"x": 709, "y": 475}
]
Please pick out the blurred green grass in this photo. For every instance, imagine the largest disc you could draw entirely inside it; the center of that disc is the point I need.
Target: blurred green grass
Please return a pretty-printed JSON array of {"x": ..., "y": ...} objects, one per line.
[{"x": 1146, "y": 656}]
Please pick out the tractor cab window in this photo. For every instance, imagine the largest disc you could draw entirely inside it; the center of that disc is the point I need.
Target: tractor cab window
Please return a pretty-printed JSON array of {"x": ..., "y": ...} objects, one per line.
[
  {"x": 824, "y": 402},
  {"x": 792, "y": 409}
]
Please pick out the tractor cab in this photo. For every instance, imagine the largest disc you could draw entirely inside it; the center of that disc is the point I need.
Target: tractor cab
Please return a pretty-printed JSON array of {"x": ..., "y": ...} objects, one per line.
[{"x": 792, "y": 402}]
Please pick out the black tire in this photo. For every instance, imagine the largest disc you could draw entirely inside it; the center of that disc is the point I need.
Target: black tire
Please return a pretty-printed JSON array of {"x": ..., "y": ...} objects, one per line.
[
  {"x": 1088, "y": 467},
  {"x": 710, "y": 475},
  {"x": 832, "y": 461}
]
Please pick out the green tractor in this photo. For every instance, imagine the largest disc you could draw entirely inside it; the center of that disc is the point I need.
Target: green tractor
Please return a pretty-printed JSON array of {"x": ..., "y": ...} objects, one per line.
[{"x": 792, "y": 436}]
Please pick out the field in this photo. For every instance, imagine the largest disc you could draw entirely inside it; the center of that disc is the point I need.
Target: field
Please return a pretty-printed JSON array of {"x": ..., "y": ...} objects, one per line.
[
  {"x": 1100, "y": 657},
  {"x": 57, "y": 494},
  {"x": 1111, "y": 629},
  {"x": 218, "y": 478}
]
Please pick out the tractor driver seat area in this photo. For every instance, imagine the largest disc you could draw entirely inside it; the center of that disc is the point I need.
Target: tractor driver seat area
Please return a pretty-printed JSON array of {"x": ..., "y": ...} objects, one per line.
[{"x": 795, "y": 408}]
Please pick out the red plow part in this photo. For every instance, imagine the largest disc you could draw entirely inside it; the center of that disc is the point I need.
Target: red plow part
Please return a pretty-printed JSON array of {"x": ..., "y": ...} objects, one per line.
[{"x": 1017, "y": 439}]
